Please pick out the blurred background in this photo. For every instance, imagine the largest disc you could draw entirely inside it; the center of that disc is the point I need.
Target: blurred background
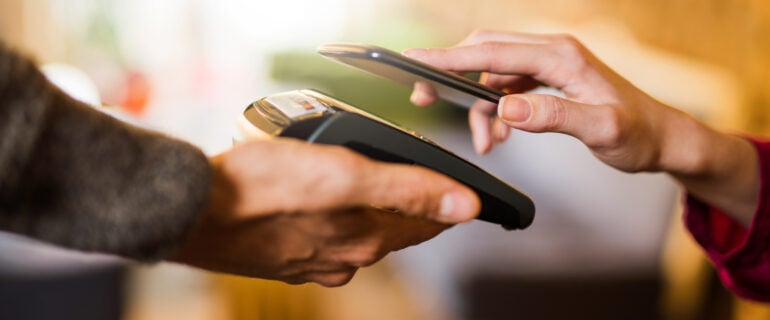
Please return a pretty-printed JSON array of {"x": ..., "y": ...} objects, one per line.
[{"x": 604, "y": 245}]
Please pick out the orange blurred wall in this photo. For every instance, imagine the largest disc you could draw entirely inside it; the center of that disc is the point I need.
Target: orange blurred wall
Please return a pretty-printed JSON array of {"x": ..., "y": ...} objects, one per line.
[{"x": 732, "y": 34}]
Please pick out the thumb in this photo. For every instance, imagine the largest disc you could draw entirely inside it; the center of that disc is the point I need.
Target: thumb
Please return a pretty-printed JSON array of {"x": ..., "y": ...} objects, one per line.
[
  {"x": 416, "y": 191},
  {"x": 547, "y": 113}
]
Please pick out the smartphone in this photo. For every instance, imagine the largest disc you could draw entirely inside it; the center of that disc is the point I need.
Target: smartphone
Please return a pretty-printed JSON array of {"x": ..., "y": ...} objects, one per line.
[
  {"x": 399, "y": 68},
  {"x": 318, "y": 118}
]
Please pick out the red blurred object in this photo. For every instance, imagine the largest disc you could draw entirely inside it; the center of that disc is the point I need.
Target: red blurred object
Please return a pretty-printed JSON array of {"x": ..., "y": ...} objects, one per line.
[{"x": 136, "y": 93}]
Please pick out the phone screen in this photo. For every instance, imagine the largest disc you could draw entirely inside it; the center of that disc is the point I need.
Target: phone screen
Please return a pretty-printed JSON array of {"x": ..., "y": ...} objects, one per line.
[{"x": 397, "y": 67}]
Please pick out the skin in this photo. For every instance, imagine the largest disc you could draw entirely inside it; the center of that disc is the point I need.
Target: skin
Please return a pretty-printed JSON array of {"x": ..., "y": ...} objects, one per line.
[
  {"x": 295, "y": 212},
  {"x": 623, "y": 126}
]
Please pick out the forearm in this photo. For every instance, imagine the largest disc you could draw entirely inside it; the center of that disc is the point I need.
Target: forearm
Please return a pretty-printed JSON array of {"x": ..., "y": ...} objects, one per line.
[
  {"x": 75, "y": 177},
  {"x": 718, "y": 168}
]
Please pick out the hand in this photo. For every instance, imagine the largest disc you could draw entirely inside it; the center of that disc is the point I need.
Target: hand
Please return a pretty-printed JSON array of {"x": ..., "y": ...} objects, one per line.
[
  {"x": 622, "y": 126},
  {"x": 296, "y": 212},
  {"x": 619, "y": 133}
]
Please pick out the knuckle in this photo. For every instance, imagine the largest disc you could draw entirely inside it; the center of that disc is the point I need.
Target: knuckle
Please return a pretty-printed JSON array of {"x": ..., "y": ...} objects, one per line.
[
  {"x": 418, "y": 199},
  {"x": 367, "y": 254},
  {"x": 342, "y": 172},
  {"x": 301, "y": 254},
  {"x": 567, "y": 38},
  {"x": 613, "y": 132},
  {"x": 410, "y": 189},
  {"x": 556, "y": 115},
  {"x": 570, "y": 49},
  {"x": 491, "y": 50},
  {"x": 334, "y": 279},
  {"x": 413, "y": 205},
  {"x": 365, "y": 260}
]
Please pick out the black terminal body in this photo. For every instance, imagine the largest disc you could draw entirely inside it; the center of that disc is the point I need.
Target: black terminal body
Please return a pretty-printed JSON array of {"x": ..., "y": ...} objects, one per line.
[{"x": 317, "y": 118}]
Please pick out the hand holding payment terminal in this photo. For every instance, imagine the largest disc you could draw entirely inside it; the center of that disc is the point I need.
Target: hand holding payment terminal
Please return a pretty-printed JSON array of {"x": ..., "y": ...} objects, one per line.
[{"x": 318, "y": 118}]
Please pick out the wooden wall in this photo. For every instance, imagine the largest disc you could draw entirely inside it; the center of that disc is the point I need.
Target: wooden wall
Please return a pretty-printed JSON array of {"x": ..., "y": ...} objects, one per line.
[{"x": 734, "y": 34}]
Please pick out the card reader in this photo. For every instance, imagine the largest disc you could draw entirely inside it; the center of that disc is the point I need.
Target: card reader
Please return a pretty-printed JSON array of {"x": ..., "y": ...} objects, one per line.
[{"x": 317, "y": 118}]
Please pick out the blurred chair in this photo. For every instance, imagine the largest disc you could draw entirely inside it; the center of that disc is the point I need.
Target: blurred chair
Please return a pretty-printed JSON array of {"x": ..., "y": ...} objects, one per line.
[{"x": 39, "y": 281}]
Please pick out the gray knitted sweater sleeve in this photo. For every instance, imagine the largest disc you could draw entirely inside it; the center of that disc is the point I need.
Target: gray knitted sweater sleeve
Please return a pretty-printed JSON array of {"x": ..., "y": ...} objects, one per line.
[{"x": 72, "y": 176}]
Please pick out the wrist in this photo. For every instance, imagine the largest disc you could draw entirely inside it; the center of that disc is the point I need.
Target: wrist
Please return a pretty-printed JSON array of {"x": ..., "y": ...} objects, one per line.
[
  {"x": 718, "y": 168},
  {"x": 687, "y": 146}
]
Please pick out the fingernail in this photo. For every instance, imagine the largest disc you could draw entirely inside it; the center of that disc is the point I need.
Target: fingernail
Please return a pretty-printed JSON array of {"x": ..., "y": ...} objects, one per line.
[
  {"x": 515, "y": 109},
  {"x": 419, "y": 97},
  {"x": 456, "y": 207}
]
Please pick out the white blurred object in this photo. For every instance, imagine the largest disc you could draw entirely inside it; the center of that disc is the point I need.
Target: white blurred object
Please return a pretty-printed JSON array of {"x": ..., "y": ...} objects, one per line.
[
  {"x": 78, "y": 85},
  {"x": 73, "y": 81}
]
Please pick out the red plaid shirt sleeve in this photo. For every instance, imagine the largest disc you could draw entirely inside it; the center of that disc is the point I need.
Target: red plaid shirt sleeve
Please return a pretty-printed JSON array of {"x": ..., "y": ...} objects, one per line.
[{"x": 741, "y": 255}]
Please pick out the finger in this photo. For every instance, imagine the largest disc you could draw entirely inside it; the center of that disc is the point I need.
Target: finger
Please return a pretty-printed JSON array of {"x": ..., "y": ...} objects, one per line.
[
  {"x": 592, "y": 124},
  {"x": 496, "y": 57},
  {"x": 423, "y": 94},
  {"x": 416, "y": 191},
  {"x": 536, "y": 60},
  {"x": 478, "y": 120},
  {"x": 331, "y": 279},
  {"x": 500, "y": 130},
  {"x": 325, "y": 278}
]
